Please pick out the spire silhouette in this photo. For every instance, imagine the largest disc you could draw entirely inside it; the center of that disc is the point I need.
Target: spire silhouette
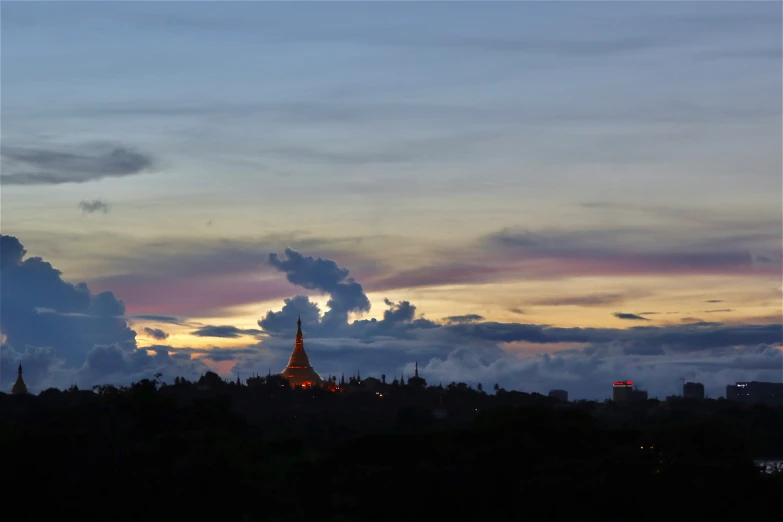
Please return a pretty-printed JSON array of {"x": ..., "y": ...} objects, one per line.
[{"x": 19, "y": 387}]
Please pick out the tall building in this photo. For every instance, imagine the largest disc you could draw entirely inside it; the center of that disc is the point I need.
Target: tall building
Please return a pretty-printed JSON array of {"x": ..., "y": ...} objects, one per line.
[
  {"x": 299, "y": 372},
  {"x": 20, "y": 387},
  {"x": 559, "y": 394},
  {"x": 756, "y": 392},
  {"x": 693, "y": 390},
  {"x": 625, "y": 391}
]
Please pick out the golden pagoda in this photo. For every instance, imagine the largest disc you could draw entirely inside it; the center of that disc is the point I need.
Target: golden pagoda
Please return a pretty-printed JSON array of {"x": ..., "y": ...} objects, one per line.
[
  {"x": 299, "y": 372},
  {"x": 20, "y": 388}
]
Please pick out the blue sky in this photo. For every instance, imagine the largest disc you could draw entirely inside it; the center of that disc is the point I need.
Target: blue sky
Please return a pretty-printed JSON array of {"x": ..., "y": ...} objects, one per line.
[{"x": 568, "y": 160}]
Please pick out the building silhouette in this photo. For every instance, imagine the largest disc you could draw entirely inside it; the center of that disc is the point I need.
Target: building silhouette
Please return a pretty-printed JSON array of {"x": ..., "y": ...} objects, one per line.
[
  {"x": 416, "y": 380},
  {"x": 625, "y": 391},
  {"x": 299, "y": 372},
  {"x": 20, "y": 388},
  {"x": 756, "y": 392},
  {"x": 693, "y": 390},
  {"x": 561, "y": 395}
]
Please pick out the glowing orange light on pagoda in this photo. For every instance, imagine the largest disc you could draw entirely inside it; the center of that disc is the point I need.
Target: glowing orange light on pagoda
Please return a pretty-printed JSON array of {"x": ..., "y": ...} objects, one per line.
[{"x": 299, "y": 372}]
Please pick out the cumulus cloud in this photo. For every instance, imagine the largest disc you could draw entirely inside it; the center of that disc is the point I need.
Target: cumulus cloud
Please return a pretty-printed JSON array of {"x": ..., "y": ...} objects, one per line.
[
  {"x": 52, "y": 325},
  {"x": 94, "y": 206},
  {"x": 346, "y": 295},
  {"x": 40, "y": 366},
  {"x": 284, "y": 321},
  {"x": 36, "y": 166},
  {"x": 110, "y": 364},
  {"x": 40, "y": 309}
]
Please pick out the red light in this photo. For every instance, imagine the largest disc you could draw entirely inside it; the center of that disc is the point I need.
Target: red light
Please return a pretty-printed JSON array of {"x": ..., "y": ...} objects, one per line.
[{"x": 622, "y": 383}]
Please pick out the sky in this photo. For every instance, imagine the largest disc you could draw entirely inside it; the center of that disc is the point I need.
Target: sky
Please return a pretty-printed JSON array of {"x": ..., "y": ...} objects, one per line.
[{"x": 536, "y": 194}]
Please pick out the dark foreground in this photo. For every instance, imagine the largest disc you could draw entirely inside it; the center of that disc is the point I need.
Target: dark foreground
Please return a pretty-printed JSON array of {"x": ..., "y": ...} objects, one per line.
[{"x": 145, "y": 454}]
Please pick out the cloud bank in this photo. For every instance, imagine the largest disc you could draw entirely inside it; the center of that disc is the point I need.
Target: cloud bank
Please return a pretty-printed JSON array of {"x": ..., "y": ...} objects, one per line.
[{"x": 63, "y": 333}]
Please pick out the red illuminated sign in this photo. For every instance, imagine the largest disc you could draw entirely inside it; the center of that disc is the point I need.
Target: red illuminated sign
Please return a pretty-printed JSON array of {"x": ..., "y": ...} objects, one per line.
[{"x": 622, "y": 383}]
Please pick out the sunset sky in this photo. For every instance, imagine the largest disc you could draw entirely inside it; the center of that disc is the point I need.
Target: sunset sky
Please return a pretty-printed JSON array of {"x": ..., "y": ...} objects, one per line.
[{"x": 544, "y": 195}]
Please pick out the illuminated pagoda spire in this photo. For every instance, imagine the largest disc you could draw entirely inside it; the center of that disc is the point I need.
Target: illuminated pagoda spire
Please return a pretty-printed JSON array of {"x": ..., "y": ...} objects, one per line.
[
  {"x": 20, "y": 388},
  {"x": 299, "y": 372}
]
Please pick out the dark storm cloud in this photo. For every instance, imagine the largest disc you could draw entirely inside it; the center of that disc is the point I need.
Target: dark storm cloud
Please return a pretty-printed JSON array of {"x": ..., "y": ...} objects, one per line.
[
  {"x": 39, "y": 365},
  {"x": 714, "y": 301},
  {"x": 110, "y": 364},
  {"x": 81, "y": 319},
  {"x": 67, "y": 332},
  {"x": 35, "y": 166},
  {"x": 630, "y": 317},
  {"x": 401, "y": 312},
  {"x": 284, "y": 321},
  {"x": 94, "y": 206},
  {"x": 346, "y": 295},
  {"x": 399, "y": 321},
  {"x": 156, "y": 333},
  {"x": 225, "y": 331}
]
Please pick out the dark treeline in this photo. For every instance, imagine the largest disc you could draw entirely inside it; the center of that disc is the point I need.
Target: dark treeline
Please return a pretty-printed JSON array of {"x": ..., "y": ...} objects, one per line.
[{"x": 264, "y": 451}]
